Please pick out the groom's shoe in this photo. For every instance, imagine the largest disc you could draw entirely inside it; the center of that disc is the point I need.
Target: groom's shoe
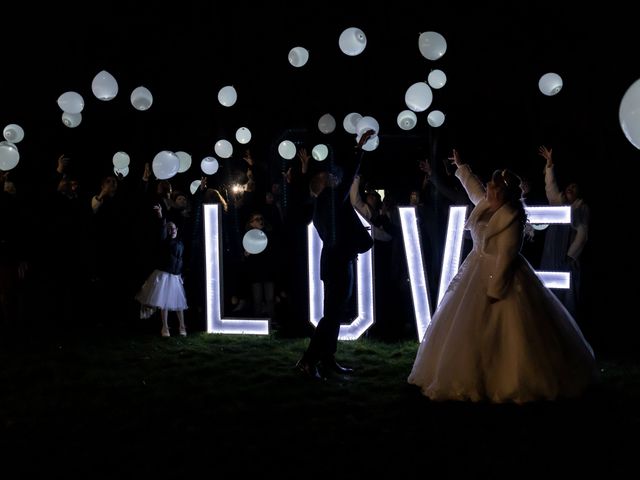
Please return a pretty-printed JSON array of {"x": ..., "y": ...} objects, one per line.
[
  {"x": 309, "y": 370},
  {"x": 330, "y": 363}
]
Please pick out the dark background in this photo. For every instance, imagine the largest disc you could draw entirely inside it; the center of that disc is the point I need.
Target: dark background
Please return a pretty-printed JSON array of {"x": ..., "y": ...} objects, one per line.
[{"x": 496, "y": 116}]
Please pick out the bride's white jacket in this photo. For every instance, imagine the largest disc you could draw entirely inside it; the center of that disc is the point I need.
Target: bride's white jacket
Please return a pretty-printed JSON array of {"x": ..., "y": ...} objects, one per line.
[{"x": 502, "y": 239}]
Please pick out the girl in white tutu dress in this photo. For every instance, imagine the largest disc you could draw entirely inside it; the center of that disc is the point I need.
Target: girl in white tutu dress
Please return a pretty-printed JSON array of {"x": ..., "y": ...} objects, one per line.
[
  {"x": 163, "y": 289},
  {"x": 499, "y": 334}
]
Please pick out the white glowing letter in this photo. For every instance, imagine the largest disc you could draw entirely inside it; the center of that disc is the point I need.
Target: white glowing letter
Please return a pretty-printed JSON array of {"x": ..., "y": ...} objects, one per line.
[
  {"x": 364, "y": 284},
  {"x": 416, "y": 267},
  {"x": 452, "y": 248},
  {"x": 215, "y": 322},
  {"x": 537, "y": 215}
]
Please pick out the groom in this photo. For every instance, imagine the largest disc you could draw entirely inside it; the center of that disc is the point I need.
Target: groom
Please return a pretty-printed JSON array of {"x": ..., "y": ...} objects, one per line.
[{"x": 337, "y": 224}]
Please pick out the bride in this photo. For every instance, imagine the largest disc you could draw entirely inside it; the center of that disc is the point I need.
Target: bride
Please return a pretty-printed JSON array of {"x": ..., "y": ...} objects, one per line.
[{"x": 499, "y": 334}]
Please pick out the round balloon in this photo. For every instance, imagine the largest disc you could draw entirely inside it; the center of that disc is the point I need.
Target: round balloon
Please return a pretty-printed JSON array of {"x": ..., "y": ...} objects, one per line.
[
  {"x": 629, "y": 114},
  {"x": 407, "y": 119},
  {"x": 298, "y": 56},
  {"x": 13, "y": 133},
  {"x": 195, "y": 185},
  {"x": 550, "y": 84},
  {"x": 71, "y": 120},
  {"x": 327, "y": 123},
  {"x": 243, "y": 135},
  {"x": 320, "y": 152},
  {"x": 209, "y": 165},
  {"x": 437, "y": 79},
  {"x": 121, "y": 160},
  {"x": 435, "y": 118},
  {"x": 185, "y": 161},
  {"x": 371, "y": 144},
  {"x": 350, "y": 121},
  {"x": 432, "y": 45},
  {"x": 255, "y": 241},
  {"x": 141, "y": 98},
  {"x": 104, "y": 86},
  {"x": 227, "y": 96},
  {"x": 287, "y": 149},
  {"x": 368, "y": 123},
  {"x": 418, "y": 97},
  {"x": 9, "y": 156},
  {"x": 352, "y": 41},
  {"x": 165, "y": 165},
  {"x": 71, "y": 102},
  {"x": 121, "y": 171},
  {"x": 223, "y": 148}
]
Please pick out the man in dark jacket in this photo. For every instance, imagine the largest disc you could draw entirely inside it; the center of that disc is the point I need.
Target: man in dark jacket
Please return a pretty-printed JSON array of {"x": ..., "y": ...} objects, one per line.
[{"x": 340, "y": 230}]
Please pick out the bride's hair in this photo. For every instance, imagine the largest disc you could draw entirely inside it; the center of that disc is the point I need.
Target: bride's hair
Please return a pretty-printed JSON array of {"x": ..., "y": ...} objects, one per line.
[{"x": 510, "y": 183}]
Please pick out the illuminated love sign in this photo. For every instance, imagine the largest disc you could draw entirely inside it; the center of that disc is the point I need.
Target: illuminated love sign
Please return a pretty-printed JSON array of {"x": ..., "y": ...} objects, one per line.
[{"x": 216, "y": 323}]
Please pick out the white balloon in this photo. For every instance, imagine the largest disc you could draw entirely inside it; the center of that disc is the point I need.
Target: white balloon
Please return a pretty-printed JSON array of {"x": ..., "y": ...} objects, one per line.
[
  {"x": 223, "y": 148},
  {"x": 9, "y": 156},
  {"x": 418, "y": 97},
  {"x": 367, "y": 123},
  {"x": 195, "y": 185},
  {"x": 320, "y": 152},
  {"x": 352, "y": 41},
  {"x": 435, "y": 118},
  {"x": 432, "y": 45},
  {"x": 165, "y": 165},
  {"x": 255, "y": 241},
  {"x": 298, "y": 56},
  {"x": 550, "y": 83},
  {"x": 185, "y": 161},
  {"x": 243, "y": 135},
  {"x": 121, "y": 171},
  {"x": 104, "y": 86},
  {"x": 629, "y": 114},
  {"x": 407, "y": 119},
  {"x": 209, "y": 165},
  {"x": 371, "y": 144},
  {"x": 71, "y": 102},
  {"x": 437, "y": 79},
  {"x": 141, "y": 98},
  {"x": 71, "y": 120},
  {"x": 121, "y": 160},
  {"x": 350, "y": 121},
  {"x": 227, "y": 96},
  {"x": 327, "y": 123},
  {"x": 13, "y": 133},
  {"x": 287, "y": 149}
]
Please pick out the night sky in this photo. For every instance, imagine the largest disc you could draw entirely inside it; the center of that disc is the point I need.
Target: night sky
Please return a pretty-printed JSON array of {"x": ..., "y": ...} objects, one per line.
[{"x": 184, "y": 53}]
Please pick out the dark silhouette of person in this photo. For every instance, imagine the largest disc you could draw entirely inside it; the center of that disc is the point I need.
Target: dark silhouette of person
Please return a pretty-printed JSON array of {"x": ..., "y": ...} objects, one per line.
[
  {"x": 341, "y": 232},
  {"x": 565, "y": 243}
]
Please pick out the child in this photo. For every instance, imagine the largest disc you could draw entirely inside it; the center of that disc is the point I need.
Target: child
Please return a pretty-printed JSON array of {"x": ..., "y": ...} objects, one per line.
[{"x": 163, "y": 288}]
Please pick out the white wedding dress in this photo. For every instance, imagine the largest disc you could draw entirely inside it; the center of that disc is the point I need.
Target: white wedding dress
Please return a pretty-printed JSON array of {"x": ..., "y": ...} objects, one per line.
[{"x": 525, "y": 347}]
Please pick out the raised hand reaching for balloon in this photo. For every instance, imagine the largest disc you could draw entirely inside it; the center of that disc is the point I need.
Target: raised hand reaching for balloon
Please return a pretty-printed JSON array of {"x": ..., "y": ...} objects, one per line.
[{"x": 365, "y": 137}]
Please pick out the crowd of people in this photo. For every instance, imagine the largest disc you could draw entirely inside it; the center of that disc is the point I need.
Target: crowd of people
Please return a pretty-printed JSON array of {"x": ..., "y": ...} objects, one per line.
[{"x": 135, "y": 249}]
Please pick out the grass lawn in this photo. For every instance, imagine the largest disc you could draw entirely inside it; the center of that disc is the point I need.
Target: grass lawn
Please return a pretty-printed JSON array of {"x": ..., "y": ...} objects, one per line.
[{"x": 105, "y": 406}]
